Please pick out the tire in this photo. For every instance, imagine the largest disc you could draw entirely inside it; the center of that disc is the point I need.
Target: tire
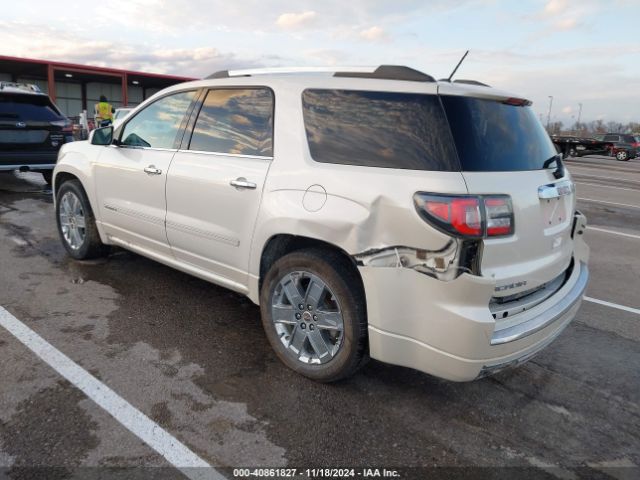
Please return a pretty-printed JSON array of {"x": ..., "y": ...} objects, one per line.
[
  {"x": 622, "y": 155},
  {"x": 293, "y": 281},
  {"x": 48, "y": 176},
  {"x": 72, "y": 211}
]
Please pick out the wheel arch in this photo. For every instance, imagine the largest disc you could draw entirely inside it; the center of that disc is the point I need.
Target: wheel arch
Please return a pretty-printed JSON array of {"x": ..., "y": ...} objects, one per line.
[{"x": 282, "y": 244}]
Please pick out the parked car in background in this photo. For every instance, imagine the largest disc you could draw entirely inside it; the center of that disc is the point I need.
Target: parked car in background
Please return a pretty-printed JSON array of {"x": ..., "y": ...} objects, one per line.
[
  {"x": 622, "y": 146},
  {"x": 32, "y": 129},
  {"x": 369, "y": 212},
  {"x": 120, "y": 114},
  {"x": 571, "y": 146}
]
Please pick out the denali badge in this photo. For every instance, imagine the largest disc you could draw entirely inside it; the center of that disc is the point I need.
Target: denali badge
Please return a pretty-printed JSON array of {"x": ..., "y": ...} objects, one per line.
[{"x": 510, "y": 286}]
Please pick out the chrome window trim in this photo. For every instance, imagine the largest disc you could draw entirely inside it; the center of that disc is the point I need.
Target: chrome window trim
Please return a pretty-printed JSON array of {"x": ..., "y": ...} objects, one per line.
[
  {"x": 221, "y": 154},
  {"x": 133, "y": 147}
]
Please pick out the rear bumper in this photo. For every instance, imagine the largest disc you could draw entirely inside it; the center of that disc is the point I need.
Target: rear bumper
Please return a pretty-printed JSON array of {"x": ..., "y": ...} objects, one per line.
[
  {"x": 28, "y": 160},
  {"x": 446, "y": 328}
]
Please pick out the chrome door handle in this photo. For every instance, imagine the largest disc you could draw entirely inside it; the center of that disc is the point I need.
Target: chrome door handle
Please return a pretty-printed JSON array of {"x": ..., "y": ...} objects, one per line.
[
  {"x": 152, "y": 170},
  {"x": 241, "y": 183}
]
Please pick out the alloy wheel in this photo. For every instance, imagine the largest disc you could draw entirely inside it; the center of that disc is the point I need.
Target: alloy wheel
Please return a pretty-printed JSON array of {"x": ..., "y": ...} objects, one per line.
[
  {"x": 72, "y": 220},
  {"x": 307, "y": 317}
]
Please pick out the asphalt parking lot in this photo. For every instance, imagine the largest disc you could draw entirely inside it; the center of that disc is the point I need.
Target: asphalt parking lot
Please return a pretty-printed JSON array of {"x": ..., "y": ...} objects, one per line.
[{"x": 192, "y": 357}]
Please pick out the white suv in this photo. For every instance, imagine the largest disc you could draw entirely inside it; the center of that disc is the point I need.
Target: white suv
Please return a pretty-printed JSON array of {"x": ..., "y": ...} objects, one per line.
[{"x": 369, "y": 212}]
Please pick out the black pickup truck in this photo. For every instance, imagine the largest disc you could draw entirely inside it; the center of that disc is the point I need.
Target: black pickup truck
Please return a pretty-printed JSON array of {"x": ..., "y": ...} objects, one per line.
[{"x": 615, "y": 145}]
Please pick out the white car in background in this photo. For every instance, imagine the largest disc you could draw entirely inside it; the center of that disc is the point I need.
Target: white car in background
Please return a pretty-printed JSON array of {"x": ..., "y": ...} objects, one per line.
[
  {"x": 120, "y": 114},
  {"x": 369, "y": 212}
]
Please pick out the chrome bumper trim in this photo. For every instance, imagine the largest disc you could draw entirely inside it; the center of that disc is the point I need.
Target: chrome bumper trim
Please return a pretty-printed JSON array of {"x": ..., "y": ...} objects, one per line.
[{"x": 545, "y": 319}]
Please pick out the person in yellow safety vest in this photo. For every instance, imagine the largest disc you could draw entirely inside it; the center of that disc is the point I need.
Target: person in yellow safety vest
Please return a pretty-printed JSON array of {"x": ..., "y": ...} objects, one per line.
[{"x": 104, "y": 112}]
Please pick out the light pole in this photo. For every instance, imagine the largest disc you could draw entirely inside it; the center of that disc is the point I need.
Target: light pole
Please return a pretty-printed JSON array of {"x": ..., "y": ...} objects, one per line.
[
  {"x": 549, "y": 114},
  {"x": 579, "y": 115}
]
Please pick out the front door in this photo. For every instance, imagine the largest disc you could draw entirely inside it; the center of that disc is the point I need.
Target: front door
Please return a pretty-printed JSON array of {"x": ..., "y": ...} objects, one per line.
[{"x": 131, "y": 174}]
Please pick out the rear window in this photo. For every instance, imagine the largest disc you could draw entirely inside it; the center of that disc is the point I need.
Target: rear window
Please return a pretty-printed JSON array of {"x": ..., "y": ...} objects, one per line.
[
  {"x": 378, "y": 129},
  {"x": 27, "y": 108},
  {"x": 492, "y": 136}
]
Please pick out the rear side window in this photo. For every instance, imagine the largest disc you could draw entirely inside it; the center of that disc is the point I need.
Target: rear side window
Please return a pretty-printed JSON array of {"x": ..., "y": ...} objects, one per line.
[
  {"x": 492, "y": 136},
  {"x": 611, "y": 138},
  {"x": 378, "y": 129},
  {"x": 235, "y": 121},
  {"x": 628, "y": 139},
  {"x": 27, "y": 108}
]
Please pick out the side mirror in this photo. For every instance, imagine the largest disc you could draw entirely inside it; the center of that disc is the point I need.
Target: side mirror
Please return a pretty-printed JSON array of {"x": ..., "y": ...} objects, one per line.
[{"x": 102, "y": 136}]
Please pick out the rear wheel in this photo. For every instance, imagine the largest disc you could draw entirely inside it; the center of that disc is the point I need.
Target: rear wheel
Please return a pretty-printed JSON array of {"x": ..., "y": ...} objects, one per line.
[
  {"x": 622, "y": 155},
  {"x": 76, "y": 222},
  {"x": 313, "y": 313}
]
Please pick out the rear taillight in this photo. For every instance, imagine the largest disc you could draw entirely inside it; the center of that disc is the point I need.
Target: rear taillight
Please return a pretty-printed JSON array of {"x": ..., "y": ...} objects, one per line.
[
  {"x": 499, "y": 213},
  {"x": 473, "y": 216}
]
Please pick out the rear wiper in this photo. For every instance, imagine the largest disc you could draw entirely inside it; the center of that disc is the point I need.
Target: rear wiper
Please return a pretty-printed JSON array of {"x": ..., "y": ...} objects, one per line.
[{"x": 559, "y": 171}]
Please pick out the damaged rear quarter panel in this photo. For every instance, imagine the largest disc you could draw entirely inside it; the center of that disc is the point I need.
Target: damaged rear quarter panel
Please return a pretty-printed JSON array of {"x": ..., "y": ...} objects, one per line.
[{"x": 375, "y": 214}]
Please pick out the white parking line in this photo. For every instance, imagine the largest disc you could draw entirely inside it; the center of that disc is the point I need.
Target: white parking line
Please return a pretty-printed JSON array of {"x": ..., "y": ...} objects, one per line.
[
  {"x": 622, "y": 234},
  {"x": 578, "y": 174},
  {"x": 613, "y": 305},
  {"x": 609, "y": 203},
  {"x": 608, "y": 186},
  {"x": 177, "y": 454}
]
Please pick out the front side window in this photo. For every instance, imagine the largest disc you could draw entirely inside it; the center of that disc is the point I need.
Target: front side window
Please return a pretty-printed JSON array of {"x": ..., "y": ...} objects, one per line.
[
  {"x": 235, "y": 121},
  {"x": 158, "y": 124},
  {"x": 378, "y": 129}
]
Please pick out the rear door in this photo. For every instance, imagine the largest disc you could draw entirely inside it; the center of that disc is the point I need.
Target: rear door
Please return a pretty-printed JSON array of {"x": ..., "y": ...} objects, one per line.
[
  {"x": 504, "y": 149},
  {"x": 130, "y": 177},
  {"x": 29, "y": 124},
  {"x": 215, "y": 182}
]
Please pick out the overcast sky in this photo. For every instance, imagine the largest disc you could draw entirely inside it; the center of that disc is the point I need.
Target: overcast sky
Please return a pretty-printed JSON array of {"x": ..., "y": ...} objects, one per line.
[{"x": 579, "y": 51}]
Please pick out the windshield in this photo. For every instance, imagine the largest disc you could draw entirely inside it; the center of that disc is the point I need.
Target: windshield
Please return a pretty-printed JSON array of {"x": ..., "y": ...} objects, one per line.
[{"x": 491, "y": 136}]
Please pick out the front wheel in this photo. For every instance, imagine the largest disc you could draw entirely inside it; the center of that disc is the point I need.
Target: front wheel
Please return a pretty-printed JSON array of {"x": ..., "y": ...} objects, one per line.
[
  {"x": 313, "y": 312},
  {"x": 76, "y": 222}
]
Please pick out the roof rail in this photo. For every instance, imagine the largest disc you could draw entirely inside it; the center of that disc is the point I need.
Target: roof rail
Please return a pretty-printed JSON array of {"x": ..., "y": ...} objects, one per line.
[
  {"x": 384, "y": 72},
  {"x": 391, "y": 72},
  {"x": 285, "y": 70}
]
